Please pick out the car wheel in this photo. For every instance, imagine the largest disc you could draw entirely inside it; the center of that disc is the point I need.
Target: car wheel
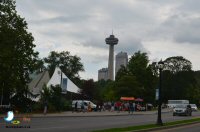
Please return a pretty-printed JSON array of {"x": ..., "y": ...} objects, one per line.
[{"x": 174, "y": 114}]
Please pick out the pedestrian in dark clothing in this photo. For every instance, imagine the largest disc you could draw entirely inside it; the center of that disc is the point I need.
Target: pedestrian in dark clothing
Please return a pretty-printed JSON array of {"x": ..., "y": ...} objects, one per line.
[
  {"x": 75, "y": 107},
  {"x": 82, "y": 107},
  {"x": 131, "y": 107}
]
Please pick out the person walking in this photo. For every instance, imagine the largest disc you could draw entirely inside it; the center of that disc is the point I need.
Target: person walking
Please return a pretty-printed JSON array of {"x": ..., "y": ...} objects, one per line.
[
  {"x": 127, "y": 106},
  {"x": 75, "y": 107},
  {"x": 131, "y": 108},
  {"x": 82, "y": 107},
  {"x": 89, "y": 107},
  {"x": 112, "y": 107},
  {"x": 45, "y": 107},
  {"x": 118, "y": 105}
]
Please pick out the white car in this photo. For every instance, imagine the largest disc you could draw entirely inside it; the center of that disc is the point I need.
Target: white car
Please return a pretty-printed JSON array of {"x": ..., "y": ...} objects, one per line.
[
  {"x": 194, "y": 107},
  {"x": 85, "y": 102},
  {"x": 182, "y": 110}
]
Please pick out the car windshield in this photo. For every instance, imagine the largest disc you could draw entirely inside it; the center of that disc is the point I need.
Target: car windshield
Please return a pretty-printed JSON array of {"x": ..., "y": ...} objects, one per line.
[{"x": 180, "y": 106}]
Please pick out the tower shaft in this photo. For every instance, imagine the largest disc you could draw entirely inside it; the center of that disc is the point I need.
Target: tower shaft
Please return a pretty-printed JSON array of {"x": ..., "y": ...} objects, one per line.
[{"x": 110, "y": 62}]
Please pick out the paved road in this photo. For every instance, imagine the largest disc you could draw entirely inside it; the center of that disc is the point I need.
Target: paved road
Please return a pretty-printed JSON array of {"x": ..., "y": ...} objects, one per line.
[
  {"x": 84, "y": 124},
  {"x": 187, "y": 128}
]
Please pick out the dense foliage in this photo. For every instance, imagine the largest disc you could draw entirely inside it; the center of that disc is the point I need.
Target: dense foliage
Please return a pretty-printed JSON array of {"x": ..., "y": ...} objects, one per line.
[{"x": 17, "y": 55}]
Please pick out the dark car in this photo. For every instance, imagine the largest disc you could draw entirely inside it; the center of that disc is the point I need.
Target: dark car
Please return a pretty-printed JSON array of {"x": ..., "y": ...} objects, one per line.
[{"x": 182, "y": 109}]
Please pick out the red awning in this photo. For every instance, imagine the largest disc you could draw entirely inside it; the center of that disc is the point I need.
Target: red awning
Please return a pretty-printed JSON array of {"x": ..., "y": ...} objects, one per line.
[
  {"x": 127, "y": 98},
  {"x": 139, "y": 100}
]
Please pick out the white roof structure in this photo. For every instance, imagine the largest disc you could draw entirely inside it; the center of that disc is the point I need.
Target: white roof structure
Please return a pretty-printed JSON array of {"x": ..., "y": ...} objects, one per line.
[
  {"x": 38, "y": 82},
  {"x": 67, "y": 84}
]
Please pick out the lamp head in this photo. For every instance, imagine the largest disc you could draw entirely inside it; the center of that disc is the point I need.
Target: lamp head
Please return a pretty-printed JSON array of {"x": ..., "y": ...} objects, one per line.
[{"x": 161, "y": 65}]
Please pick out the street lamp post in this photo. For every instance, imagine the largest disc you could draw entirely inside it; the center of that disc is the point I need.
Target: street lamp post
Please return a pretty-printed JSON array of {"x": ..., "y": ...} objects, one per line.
[
  {"x": 60, "y": 73},
  {"x": 160, "y": 67},
  {"x": 61, "y": 80}
]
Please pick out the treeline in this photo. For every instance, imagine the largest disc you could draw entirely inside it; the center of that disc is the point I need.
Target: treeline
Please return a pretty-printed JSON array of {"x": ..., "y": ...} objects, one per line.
[{"x": 140, "y": 79}]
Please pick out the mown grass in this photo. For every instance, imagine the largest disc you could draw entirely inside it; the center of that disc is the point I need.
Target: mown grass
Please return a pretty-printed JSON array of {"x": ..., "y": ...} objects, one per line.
[{"x": 149, "y": 126}]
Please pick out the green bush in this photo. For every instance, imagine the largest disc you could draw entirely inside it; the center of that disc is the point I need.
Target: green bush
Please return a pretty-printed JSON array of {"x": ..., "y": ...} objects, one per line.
[
  {"x": 67, "y": 105},
  {"x": 37, "y": 107},
  {"x": 54, "y": 99}
]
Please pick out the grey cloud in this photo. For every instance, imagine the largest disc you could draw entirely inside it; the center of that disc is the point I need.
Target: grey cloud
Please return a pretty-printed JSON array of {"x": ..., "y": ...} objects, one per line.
[
  {"x": 62, "y": 19},
  {"x": 182, "y": 28},
  {"x": 190, "y": 6},
  {"x": 89, "y": 22},
  {"x": 130, "y": 45},
  {"x": 96, "y": 59}
]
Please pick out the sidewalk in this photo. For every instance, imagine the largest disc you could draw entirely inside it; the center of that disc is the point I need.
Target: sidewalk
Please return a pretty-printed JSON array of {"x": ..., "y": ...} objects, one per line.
[{"x": 91, "y": 114}]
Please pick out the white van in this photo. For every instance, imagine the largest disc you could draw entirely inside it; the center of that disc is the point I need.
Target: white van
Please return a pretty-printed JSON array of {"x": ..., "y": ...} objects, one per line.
[
  {"x": 85, "y": 102},
  {"x": 173, "y": 103}
]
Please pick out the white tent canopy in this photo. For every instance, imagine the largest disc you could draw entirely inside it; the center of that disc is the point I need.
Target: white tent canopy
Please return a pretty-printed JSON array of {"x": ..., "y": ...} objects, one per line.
[{"x": 66, "y": 84}]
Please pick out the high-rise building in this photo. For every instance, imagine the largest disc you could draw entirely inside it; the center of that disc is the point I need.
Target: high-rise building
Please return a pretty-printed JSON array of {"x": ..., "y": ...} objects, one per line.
[
  {"x": 121, "y": 60},
  {"x": 111, "y": 41},
  {"x": 103, "y": 74}
]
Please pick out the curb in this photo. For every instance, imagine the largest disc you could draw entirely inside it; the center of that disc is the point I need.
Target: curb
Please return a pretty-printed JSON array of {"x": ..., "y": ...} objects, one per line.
[
  {"x": 54, "y": 116},
  {"x": 49, "y": 116}
]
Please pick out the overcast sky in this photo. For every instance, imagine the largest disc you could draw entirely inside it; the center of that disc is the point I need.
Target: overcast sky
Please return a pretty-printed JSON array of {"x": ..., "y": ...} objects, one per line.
[{"x": 162, "y": 28}]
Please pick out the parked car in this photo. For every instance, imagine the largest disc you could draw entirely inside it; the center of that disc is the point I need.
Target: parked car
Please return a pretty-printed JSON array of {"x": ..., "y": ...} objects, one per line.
[
  {"x": 194, "y": 107},
  {"x": 85, "y": 102},
  {"x": 182, "y": 109}
]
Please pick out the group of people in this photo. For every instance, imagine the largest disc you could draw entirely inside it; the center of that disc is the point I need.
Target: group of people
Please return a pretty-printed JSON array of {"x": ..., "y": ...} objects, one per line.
[
  {"x": 83, "y": 108},
  {"x": 120, "y": 106}
]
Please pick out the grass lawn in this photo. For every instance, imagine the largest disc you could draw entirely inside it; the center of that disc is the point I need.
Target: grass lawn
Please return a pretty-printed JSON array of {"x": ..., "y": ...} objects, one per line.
[{"x": 149, "y": 126}]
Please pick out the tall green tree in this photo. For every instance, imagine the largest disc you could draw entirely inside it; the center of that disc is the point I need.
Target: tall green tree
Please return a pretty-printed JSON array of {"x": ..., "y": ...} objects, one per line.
[
  {"x": 88, "y": 89},
  {"x": 17, "y": 55},
  {"x": 139, "y": 67},
  {"x": 178, "y": 77},
  {"x": 100, "y": 87},
  {"x": 69, "y": 64},
  {"x": 183, "y": 83},
  {"x": 177, "y": 63},
  {"x": 128, "y": 86},
  {"x": 109, "y": 92},
  {"x": 121, "y": 72},
  {"x": 138, "y": 64}
]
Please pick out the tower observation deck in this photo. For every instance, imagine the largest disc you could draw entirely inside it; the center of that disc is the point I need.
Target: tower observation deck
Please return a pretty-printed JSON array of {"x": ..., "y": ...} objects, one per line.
[{"x": 111, "y": 41}]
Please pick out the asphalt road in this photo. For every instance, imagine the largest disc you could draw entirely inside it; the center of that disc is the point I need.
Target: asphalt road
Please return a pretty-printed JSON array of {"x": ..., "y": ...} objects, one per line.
[{"x": 85, "y": 124}]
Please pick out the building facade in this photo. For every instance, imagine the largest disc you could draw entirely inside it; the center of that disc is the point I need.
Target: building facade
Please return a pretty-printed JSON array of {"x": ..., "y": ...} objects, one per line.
[
  {"x": 121, "y": 59},
  {"x": 103, "y": 74}
]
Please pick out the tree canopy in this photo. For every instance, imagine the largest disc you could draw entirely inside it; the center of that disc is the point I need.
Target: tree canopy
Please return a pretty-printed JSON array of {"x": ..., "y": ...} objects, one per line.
[
  {"x": 70, "y": 65},
  {"x": 177, "y": 63},
  {"x": 17, "y": 55}
]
